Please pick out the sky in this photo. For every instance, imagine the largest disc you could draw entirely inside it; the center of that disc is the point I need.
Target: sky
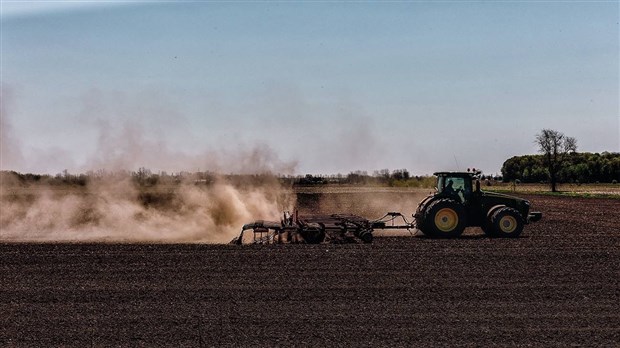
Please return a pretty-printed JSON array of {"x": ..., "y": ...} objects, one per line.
[{"x": 303, "y": 87}]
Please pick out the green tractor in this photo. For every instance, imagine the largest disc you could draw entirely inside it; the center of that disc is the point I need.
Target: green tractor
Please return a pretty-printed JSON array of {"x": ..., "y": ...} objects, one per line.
[{"x": 459, "y": 203}]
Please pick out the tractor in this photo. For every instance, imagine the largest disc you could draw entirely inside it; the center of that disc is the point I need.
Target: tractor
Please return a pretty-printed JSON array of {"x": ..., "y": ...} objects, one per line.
[{"x": 458, "y": 202}]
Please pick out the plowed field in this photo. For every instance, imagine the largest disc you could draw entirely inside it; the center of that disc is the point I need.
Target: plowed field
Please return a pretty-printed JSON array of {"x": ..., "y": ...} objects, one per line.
[{"x": 557, "y": 285}]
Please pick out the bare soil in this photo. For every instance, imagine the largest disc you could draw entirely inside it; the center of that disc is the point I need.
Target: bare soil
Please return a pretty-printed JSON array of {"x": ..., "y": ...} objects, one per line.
[{"x": 557, "y": 285}]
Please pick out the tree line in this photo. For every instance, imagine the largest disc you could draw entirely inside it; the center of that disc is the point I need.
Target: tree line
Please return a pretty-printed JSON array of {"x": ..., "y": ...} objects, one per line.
[
  {"x": 575, "y": 167},
  {"x": 144, "y": 177},
  {"x": 383, "y": 177},
  {"x": 558, "y": 162}
]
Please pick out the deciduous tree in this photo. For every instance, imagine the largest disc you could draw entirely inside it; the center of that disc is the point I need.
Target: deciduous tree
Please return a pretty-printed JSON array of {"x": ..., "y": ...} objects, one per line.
[{"x": 554, "y": 146}]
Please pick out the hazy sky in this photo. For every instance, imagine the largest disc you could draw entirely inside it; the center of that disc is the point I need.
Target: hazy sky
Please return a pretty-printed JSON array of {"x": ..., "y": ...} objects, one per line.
[{"x": 309, "y": 87}]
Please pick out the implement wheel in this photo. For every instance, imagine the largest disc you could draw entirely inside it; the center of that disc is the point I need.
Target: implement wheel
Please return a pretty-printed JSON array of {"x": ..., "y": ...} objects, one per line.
[
  {"x": 444, "y": 218},
  {"x": 313, "y": 235},
  {"x": 505, "y": 223}
]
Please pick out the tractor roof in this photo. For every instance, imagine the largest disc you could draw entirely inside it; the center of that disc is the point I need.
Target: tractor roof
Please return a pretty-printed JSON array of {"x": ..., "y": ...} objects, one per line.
[{"x": 463, "y": 174}]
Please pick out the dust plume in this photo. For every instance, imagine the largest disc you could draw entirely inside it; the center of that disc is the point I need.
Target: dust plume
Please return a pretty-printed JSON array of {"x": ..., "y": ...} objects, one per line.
[
  {"x": 113, "y": 204},
  {"x": 113, "y": 208},
  {"x": 10, "y": 147},
  {"x": 370, "y": 202}
]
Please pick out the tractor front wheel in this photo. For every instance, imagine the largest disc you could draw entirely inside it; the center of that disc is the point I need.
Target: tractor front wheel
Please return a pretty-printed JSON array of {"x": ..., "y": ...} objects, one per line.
[{"x": 505, "y": 223}]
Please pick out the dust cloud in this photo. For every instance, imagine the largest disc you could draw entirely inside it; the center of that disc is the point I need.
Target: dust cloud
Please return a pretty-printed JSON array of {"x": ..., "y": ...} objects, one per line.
[
  {"x": 371, "y": 202},
  {"x": 115, "y": 209},
  {"x": 10, "y": 146},
  {"x": 110, "y": 205}
]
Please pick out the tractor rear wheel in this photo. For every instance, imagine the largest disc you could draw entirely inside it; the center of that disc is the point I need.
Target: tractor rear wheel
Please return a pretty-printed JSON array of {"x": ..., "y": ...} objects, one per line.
[
  {"x": 444, "y": 218},
  {"x": 505, "y": 223}
]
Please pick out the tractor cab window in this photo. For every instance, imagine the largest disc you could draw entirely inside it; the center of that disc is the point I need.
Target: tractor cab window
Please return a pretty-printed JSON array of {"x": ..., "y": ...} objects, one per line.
[
  {"x": 457, "y": 186},
  {"x": 440, "y": 183}
]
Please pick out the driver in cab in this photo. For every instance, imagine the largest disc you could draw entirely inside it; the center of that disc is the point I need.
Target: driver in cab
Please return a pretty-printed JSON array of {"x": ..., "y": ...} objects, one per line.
[{"x": 449, "y": 189}]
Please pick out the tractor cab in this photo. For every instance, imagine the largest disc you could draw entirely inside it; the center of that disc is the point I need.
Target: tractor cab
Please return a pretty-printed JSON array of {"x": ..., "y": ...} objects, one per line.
[{"x": 457, "y": 185}]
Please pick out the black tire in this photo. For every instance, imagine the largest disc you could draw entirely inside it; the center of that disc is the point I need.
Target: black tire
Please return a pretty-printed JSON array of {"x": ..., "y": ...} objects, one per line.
[
  {"x": 313, "y": 235},
  {"x": 444, "y": 218},
  {"x": 421, "y": 210},
  {"x": 364, "y": 235},
  {"x": 422, "y": 206},
  {"x": 487, "y": 226},
  {"x": 506, "y": 223}
]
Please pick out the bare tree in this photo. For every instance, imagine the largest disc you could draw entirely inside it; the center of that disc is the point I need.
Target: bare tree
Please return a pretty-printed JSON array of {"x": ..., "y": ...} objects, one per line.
[{"x": 554, "y": 146}]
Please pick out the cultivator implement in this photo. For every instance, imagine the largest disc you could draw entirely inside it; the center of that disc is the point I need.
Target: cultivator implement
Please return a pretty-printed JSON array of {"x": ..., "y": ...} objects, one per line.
[{"x": 315, "y": 229}]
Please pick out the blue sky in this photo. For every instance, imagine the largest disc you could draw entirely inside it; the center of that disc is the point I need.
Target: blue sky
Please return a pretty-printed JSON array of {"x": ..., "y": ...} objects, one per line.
[{"x": 310, "y": 87}]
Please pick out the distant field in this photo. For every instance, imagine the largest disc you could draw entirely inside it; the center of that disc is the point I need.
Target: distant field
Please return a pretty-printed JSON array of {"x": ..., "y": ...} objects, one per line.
[
  {"x": 596, "y": 189},
  {"x": 586, "y": 189},
  {"x": 605, "y": 188}
]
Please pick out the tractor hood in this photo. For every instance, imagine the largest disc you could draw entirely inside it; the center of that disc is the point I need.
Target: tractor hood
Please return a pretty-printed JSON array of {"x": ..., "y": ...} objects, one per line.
[
  {"x": 490, "y": 199},
  {"x": 501, "y": 196}
]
